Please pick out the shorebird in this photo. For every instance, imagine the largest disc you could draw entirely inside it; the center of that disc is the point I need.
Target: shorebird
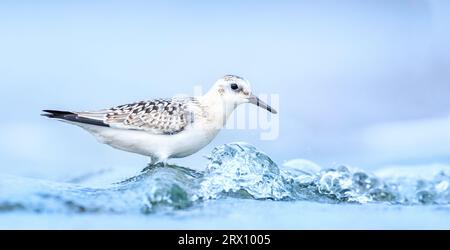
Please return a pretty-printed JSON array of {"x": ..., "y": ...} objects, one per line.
[{"x": 166, "y": 128}]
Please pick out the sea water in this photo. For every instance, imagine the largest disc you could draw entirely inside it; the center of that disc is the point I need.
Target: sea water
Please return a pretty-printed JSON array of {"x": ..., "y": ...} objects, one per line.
[{"x": 240, "y": 188}]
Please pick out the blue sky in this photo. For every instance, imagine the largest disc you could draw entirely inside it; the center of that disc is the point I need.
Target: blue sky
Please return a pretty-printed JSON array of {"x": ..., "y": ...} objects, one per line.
[{"x": 364, "y": 83}]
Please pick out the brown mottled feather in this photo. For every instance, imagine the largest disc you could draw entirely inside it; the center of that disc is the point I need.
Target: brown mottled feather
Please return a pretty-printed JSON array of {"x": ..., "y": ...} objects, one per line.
[{"x": 159, "y": 116}]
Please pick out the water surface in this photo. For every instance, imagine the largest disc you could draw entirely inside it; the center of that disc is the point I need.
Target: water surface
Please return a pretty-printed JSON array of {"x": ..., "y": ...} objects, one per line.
[{"x": 241, "y": 187}]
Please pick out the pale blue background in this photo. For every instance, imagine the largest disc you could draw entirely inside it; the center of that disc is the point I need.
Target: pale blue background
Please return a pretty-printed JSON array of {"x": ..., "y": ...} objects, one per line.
[{"x": 365, "y": 83}]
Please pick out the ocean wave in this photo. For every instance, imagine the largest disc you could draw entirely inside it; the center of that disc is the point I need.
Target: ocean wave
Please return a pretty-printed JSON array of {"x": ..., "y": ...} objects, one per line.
[{"x": 237, "y": 170}]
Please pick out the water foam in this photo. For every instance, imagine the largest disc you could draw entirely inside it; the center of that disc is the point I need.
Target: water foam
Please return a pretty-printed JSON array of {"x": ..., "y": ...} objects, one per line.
[{"x": 236, "y": 170}]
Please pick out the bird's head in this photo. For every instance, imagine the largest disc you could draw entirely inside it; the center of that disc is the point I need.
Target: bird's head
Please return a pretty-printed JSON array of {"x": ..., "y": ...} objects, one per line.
[{"x": 235, "y": 90}]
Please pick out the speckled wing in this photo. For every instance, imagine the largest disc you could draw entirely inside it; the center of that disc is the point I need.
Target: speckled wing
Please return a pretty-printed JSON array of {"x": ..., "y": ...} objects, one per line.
[{"x": 159, "y": 116}]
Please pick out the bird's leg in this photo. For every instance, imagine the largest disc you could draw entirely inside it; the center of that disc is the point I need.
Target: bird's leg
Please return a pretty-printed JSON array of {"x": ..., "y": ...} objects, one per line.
[{"x": 153, "y": 161}]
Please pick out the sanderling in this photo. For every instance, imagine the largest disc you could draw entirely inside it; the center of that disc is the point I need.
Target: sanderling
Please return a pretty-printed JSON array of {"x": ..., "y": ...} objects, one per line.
[{"x": 166, "y": 128}]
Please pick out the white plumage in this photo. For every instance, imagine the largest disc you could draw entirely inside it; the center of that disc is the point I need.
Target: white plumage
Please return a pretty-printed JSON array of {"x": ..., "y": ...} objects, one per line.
[{"x": 165, "y": 128}]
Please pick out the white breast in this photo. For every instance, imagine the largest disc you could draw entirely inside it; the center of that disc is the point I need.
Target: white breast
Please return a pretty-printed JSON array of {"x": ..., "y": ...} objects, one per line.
[
  {"x": 208, "y": 121},
  {"x": 161, "y": 146}
]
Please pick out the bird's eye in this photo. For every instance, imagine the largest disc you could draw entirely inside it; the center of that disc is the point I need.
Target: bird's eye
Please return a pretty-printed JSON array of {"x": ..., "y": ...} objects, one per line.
[{"x": 234, "y": 86}]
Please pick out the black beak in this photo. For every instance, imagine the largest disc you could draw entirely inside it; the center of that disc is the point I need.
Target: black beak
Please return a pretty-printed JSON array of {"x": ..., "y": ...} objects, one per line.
[{"x": 255, "y": 100}]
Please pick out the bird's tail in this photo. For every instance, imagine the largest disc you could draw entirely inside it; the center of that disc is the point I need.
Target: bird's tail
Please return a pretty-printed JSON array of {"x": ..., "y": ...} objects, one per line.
[
  {"x": 73, "y": 117},
  {"x": 57, "y": 114}
]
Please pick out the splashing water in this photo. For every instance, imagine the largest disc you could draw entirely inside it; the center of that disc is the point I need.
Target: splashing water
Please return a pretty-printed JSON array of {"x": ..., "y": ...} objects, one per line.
[
  {"x": 236, "y": 170},
  {"x": 239, "y": 169}
]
